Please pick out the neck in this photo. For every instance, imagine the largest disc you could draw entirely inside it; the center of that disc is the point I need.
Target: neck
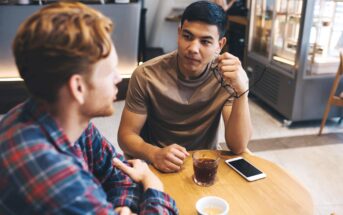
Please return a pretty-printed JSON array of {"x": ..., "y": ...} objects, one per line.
[{"x": 69, "y": 119}]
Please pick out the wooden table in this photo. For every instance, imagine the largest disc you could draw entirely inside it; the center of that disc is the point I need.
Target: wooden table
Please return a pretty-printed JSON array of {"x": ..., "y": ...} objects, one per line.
[{"x": 279, "y": 193}]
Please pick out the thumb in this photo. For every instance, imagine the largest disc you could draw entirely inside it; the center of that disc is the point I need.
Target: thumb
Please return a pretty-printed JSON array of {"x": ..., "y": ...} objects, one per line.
[
  {"x": 125, "y": 211},
  {"x": 120, "y": 165}
]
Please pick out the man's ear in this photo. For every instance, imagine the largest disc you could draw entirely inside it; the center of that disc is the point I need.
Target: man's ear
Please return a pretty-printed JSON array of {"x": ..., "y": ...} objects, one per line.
[
  {"x": 77, "y": 88},
  {"x": 222, "y": 42}
]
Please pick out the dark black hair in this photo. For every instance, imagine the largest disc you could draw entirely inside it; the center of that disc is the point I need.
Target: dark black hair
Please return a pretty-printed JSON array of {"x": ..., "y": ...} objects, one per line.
[{"x": 207, "y": 12}]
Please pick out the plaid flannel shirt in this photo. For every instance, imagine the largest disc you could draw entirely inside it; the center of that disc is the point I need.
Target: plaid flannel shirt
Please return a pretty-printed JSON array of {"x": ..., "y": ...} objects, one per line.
[{"x": 41, "y": 172}]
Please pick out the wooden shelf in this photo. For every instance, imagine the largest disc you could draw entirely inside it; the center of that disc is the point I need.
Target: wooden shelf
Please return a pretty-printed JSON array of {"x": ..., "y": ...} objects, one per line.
[
  {"x": 242, "y": 20},
  {"x": 175, "y": 15}
]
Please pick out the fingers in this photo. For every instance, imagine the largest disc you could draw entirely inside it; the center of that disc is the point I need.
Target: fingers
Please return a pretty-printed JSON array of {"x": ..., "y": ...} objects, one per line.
[
  {"x": 233, "y": 72},
  {"x": 170, "y": 158},
  {"x": 229, "y": 69},
  {"x": 176, "y": 154},
  {"x": 123, "y": 210},
  {"x": 120, "y": 165},
  {"x": 168, "y": 167},
  {"x": 227, "y": 55},
  {"x": 181, "y": 149},
  {"x": 173, "y": 159},
  {"x": 164, "y": 169},
  {"x": 228, "y": 63}
]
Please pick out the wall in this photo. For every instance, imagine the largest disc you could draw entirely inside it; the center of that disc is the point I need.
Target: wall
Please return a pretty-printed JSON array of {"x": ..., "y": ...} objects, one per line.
[
  {"x": 125, "y": 36},
  {"x": 161, "y": 33}
]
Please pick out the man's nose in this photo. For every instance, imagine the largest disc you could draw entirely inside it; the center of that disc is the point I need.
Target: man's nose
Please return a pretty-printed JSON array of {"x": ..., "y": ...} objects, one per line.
[
  {"x": 117, "y": 79},
  {"x": 194, "y": 46}
]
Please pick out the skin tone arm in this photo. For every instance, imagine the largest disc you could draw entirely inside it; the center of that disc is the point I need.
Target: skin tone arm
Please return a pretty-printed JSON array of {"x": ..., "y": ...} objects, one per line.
[
  {"x": 238, "y": 127},
  {"x": 224, "y": 4},
  {"x": 167, "y": 159}
]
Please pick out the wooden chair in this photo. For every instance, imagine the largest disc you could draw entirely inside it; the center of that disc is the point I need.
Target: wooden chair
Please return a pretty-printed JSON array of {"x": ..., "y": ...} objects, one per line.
[{"x": 333, "y": 99}]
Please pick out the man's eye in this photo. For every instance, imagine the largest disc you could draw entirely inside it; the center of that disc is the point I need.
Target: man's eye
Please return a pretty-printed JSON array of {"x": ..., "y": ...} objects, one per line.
[
  {"x": 187, "y": 36},
  {"x": 206, "y": 42}
]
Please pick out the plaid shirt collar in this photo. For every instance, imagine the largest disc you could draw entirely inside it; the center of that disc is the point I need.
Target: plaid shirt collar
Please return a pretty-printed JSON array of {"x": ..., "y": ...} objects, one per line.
[{"x": 38, "y": 111}]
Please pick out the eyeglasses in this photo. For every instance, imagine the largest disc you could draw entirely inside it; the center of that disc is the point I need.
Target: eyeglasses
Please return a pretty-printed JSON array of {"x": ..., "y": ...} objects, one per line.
[
  {"x": 227, "y": 86},
  {"x": 222, "y": 82}
]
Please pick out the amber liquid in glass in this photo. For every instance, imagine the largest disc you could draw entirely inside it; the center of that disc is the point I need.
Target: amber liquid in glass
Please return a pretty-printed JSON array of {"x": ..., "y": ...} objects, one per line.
[{"x": 205, "y": 170}]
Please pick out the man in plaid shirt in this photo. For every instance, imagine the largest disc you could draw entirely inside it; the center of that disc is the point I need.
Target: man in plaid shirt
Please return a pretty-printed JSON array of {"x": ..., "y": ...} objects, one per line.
[{"x": 52, "y": 159}]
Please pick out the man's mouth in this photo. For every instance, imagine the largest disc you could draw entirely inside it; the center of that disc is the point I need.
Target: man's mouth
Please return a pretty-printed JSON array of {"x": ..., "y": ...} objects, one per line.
[{"x": 192, "y": 60}]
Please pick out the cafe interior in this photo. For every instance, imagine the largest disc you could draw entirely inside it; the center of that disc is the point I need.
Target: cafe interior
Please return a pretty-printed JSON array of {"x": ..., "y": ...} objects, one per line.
[{"x": 292, "y": 52}]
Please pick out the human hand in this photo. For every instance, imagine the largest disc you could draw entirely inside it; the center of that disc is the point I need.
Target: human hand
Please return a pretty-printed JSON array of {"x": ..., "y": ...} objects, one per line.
[
  {"x": 224, "y": 4},
  {"x": 124, "y": 211},
  {"x": 233, "y": 73},
  {"x": 140, "y": 173},
  {"x": 170, "y": 158}
]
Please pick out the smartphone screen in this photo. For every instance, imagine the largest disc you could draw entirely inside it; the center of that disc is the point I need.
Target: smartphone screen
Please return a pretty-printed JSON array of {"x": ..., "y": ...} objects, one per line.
[{"x": 245, "y": 169}]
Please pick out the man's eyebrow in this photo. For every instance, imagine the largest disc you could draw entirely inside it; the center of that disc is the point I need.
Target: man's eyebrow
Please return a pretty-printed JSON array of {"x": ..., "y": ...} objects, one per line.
[
  {"x": 203, "y": 37},
  {"x": 207, "y": 38},
  {"x": 187, "y": 31}
]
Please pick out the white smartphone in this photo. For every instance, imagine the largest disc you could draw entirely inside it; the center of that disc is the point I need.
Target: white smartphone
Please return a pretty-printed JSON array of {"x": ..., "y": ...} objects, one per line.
[{"x": 245, "y": 169}]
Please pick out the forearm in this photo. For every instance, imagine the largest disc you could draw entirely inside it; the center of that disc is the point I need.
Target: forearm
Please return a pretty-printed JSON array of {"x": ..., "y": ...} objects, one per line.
[
  {"x": 238, "y": 127},
  {"x": 133, "y": 145},
  {"x": 153, "y": 182}
]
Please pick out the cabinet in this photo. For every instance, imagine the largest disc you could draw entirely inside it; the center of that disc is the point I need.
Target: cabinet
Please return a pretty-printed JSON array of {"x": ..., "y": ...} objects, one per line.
[
  {"x": 236, "y": 35},
  {"x": 294, "y": 53}
]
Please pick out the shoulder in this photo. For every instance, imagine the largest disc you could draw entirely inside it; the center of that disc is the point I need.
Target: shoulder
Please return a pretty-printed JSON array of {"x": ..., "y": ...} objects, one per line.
[
  {"x": 37, "y": 171},
  {"x": 11, "y": 118},
  {"x": 22, "y": 137},
  {"x": 17, "y": 128},
  {"x": 156, "y": 65},
  {"x": 23, "y": 140},
  {"x": 27, "y": 153}
]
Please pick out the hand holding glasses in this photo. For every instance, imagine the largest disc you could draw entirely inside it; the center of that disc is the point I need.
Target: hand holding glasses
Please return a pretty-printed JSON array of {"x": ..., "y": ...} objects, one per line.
[
  {"x": 221, "y": 80},
  {"x": 227, "y": 86}
]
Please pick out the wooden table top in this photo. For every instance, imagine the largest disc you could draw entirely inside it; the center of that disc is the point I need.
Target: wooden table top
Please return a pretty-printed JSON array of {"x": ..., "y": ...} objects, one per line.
[{"x": 278, "y": 193}]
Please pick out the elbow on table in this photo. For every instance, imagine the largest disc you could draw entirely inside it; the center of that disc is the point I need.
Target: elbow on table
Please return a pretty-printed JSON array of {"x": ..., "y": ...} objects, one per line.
[
  {"x": 238, "y": 147},
  {"x": 238, "y": 151},
  {"x": 239, "y": 144}
]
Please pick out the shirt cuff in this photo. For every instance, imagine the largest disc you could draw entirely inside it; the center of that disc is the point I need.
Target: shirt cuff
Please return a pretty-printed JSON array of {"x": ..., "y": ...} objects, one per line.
[{"x": 158, "y": 200}]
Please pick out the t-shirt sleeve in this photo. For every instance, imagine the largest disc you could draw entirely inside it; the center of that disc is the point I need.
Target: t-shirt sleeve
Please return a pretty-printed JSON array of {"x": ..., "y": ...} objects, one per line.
[{"x": 136, "y": 97}]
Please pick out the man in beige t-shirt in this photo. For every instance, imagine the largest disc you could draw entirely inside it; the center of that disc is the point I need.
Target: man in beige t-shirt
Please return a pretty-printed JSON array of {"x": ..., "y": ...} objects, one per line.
[{"x": 175, "y": 101}]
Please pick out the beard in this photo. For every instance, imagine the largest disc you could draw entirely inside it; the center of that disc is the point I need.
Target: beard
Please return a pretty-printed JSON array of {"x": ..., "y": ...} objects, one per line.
[
  {"x": 105, "y": 111},
  {"x": 95, "y": 110}
]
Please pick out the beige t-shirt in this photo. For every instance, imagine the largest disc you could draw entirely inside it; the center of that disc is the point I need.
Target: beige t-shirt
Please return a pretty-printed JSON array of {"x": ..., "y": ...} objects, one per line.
[{"x": 186, "y": 112}]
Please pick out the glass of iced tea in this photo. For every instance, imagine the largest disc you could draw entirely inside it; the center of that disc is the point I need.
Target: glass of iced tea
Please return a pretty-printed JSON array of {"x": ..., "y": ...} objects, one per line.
[{"x": 205, "y": 165}]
